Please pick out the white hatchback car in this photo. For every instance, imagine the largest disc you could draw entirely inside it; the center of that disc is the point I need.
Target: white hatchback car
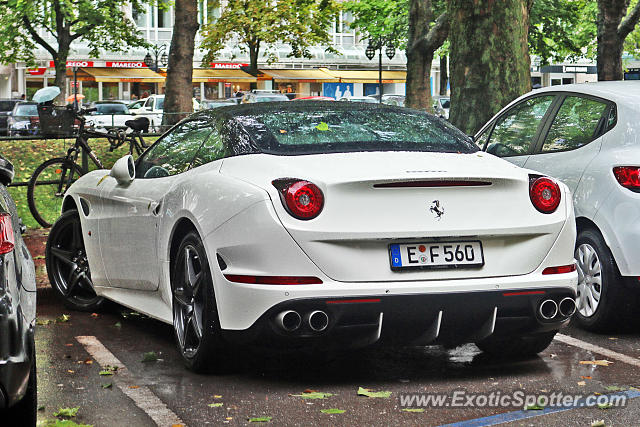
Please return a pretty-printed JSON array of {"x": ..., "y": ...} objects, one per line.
[{"x": 586, "y": 135}]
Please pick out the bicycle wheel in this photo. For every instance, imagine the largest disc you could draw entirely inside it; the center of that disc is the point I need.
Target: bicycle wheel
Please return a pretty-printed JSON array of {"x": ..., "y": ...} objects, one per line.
[{"x": 47, "y": 186}]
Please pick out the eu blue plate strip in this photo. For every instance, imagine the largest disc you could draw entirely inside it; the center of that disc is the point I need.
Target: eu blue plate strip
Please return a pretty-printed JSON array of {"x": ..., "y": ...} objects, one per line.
[
  {"x": 521, "y": 415},
  {"x": 396, "y": 260}
]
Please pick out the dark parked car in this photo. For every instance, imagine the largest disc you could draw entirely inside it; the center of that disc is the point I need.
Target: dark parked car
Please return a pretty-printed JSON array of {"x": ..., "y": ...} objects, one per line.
[
  {"x": 6, "y": 107},
  {"x": 24, "y": 119},
  {"x": 17, "y": 315}
]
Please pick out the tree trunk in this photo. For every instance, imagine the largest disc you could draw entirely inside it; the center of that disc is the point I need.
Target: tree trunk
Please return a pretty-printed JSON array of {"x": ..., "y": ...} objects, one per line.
[
  {"x": 60, "y": 64},
  {"x": 179, "y": 85},
  {"x": 613, "y": 28},
  {"x": 490, "y": 64},
  {"x": 254, "y": 51},
  {"x": 444, "y": 75},
  {"x": 424, "y": 38}
]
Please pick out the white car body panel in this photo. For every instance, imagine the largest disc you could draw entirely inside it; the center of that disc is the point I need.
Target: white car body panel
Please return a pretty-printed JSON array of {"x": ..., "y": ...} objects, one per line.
[
  {"x": 239, "y": 216},
  {"x": 588, "y": 170}
]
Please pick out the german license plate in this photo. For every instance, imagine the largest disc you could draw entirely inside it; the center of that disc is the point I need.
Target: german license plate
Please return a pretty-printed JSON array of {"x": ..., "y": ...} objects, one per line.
[{"x": 436, "y": 255}]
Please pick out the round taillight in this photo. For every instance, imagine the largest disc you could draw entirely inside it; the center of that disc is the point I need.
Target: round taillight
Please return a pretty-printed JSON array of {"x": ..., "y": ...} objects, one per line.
[
  {"x": 304, "y": 200},
  {"x": 545, "y": 195}
]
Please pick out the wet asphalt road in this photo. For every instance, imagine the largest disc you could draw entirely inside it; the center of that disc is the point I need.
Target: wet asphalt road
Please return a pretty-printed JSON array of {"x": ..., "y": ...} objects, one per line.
[{"x": 263, "y": 385}]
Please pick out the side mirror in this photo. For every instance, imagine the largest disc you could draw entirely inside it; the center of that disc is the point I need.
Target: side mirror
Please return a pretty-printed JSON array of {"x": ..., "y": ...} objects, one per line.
[{"x": 124, "y": 170}]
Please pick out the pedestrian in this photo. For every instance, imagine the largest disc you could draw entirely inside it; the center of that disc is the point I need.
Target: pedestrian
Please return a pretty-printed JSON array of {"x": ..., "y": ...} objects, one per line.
[
  {"x": 22, "y": 97},
  {"x": 134, "y": 97}
]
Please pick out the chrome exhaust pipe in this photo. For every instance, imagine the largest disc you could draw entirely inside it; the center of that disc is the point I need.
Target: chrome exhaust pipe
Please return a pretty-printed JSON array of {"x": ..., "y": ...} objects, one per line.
[
  {"x": 317, "y": 320},
  {"x": 548, "y": 309},
  {"x": 567, "y": 306},
  {"x": 289, "y": 320}
]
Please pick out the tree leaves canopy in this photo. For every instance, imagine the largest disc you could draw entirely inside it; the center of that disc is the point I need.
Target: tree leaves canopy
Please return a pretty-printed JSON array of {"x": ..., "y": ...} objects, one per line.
[
  {"x": 101, "y": 24},
  {"x": 257, "y": 23}
]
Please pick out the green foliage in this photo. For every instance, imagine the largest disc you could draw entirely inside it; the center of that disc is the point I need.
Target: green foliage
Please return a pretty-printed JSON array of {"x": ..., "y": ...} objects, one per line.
[
  {"x": 101, "y": 24},
  {"x": 257, "y": 24},
  {"x": 388, "y": 19},
  {"x": 66, "y": 412},
  {"x": 563, "y": 29},
  {"x": 632, "y": 42}
]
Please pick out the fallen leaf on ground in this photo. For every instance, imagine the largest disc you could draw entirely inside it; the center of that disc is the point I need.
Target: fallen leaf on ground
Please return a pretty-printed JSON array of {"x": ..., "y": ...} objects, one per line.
[
  {"x": 313, "y": 395},
  {"x": 108, "y": 385},
  {"x": 614, "y": 388},
  {"x": 88, "y": 362},
  {"x": 66, "y": 412},
  {"x": 333, "y": 411},
  {"x": 413, "y": 410},
  {"x": 64, "y": 318},
  {"x": 596, "y": 362},
  {"x": 105, "y": 372},
  {"x": 534, "y": 408},
  {"x": 585, "y": 377},
  {"x": 581, "y": 383},
  {"x": 134, "y": 386},
  {"x": 368, "y": 393},
  {"x": 149, "y": 357},
  {"x": 260, "y": 419},
  {"x": 599, "y": 423},
  {"x": 71, "y": 371},
  {"x": 217, "y": 396},
  {"x": 214, "y": 405},
  {"x": 604, "y": 405},
  {"x": 43, "y": 322},
  {"x": 118, "y": 325}
]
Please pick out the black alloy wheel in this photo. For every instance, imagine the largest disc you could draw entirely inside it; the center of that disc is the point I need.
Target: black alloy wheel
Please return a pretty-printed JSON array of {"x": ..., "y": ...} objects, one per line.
[
  {"x": 68, "y": 266},
  {"x": 195, "y": 317}
]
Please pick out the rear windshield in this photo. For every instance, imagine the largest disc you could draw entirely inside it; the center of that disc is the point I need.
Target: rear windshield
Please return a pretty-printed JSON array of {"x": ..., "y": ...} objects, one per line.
[
  {"x": 26, "y": 110},
  {"x": 111, "y": 109},
  {"x": 345, "y": 130}
]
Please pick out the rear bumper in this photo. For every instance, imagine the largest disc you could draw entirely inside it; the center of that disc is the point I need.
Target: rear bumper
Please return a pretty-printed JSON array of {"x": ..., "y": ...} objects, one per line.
[{"x": 418, "y": 319}]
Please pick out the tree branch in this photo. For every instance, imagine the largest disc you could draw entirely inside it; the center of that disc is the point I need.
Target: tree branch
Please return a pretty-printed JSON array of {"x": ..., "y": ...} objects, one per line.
[
  {"x": 629, "y": 22},
  {"x": 436, "y": 35},
  {"x": 37, "y": 37}
]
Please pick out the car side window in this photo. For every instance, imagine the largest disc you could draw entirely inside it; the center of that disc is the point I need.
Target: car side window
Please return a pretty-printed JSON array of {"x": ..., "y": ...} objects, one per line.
[
  {"x": 211, "y": 150},
  {"x": 515, "y": 132},
  {"x": 576, "y": 124},
  {"x": 482, "y": 139},
  {"x": 173, "y": 153}
]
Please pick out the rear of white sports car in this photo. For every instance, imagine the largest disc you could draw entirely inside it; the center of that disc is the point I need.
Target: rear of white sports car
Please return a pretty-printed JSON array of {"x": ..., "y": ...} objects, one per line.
[{"x": 351, "y": 247}]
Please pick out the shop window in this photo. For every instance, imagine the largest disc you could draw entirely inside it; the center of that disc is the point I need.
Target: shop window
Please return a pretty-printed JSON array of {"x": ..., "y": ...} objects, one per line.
[
  {"x": 556, "y": 82},
  {"x": 567, "y": 80},
  {"x": 140, "y": 17},
  {"x": 164, "y": 14}
]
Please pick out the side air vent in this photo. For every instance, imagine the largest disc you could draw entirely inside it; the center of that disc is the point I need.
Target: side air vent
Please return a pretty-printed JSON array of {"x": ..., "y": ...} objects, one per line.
[
  {"x": 85, "y": 206},
  {"x": 221, "y": 263}
]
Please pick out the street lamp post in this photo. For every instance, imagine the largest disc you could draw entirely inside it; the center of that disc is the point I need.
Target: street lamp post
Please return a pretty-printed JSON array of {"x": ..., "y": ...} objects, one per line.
[
  {"x": 160, "y": 54},
  {"x": 377, "y": 44}
]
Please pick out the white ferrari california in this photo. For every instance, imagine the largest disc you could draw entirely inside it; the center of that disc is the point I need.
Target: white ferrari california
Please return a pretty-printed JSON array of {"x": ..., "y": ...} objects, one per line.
[{"x": 314, "y": 224}]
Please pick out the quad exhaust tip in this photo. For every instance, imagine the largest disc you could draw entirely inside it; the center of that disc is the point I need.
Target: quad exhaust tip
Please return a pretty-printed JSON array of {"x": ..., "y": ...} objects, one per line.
[
  {"x": 317, "y": 320},
  {"x": 567, "y": 307},
  {"x": 289, "y": 320},
  {"x": 548, "y": 309}
]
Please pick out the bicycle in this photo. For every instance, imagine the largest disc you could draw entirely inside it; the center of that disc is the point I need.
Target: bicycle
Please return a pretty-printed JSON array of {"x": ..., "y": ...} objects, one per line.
[{"x": 50, "y": 180}]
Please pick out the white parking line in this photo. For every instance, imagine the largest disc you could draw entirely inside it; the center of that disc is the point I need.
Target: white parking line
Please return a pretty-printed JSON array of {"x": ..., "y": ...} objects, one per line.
[
  {"x": 597, "y": 349},
  {"x": 142, "y": 396}
]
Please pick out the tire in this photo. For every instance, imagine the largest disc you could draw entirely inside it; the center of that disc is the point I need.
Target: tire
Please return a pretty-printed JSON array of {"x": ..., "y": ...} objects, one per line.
[
  {"x": 516, "y": 346},
  {"x": 195, "y": 317},
  {"x": 43, "y": 191},
  {"x": 67, "y": 265},
  {"x": 24, "y": 413},
  {"x": 612, "y": 301}
]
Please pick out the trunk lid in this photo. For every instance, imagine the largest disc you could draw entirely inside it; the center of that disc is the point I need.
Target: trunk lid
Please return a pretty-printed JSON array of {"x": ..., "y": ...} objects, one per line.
[{"x": 375, "y": 199}]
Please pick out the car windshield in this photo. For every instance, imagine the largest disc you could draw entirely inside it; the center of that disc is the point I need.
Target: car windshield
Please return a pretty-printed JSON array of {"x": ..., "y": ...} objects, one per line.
[
  {"x": 271, "y": 98},
  {"x": 7, "y": 105},
  {"x": 26, "y": 110},
  {"x": 216, "y": 104},
  {"x": 334, "y": 130},
  {"x": 111, "y": 109},
  {"x": 159, "y": 103}
]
